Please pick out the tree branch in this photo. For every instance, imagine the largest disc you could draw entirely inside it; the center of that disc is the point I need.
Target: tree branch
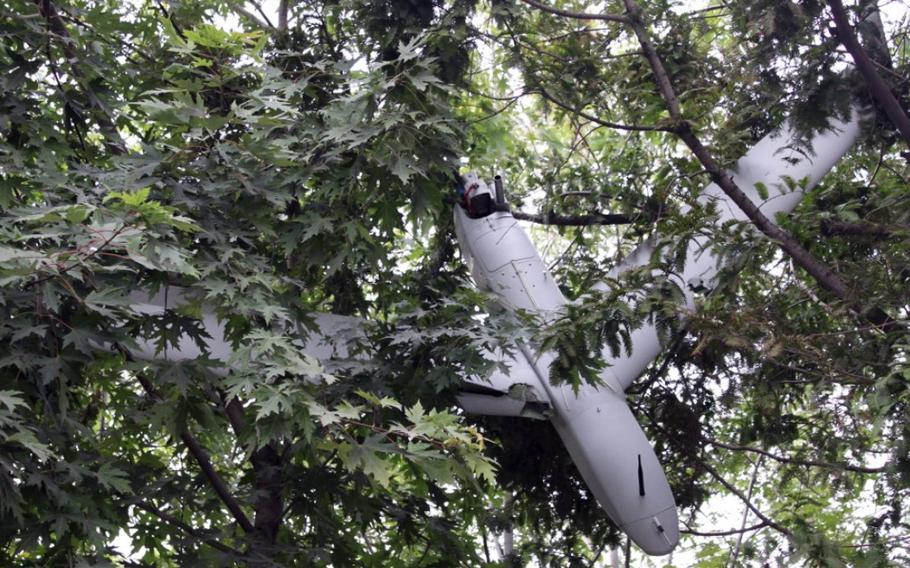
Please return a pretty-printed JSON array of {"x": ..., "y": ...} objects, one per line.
[
  {"x": 822, "y": 274},
  {"x": 238, "y": 8},
  {"x": 268, "y": 503},
  {"x": 171, "y": 520},
  {"x": 832, "y": 227},
  {"x": 630, "y": 127},
  {"x": 729, "y": 487},
  {"x": 866, "y": 67},
  {"x": 203, "y": 459},
  {"x": 795, "y": 461},
  {"x": 265, "y": 17},
  {"x": 575, "y": 15},
  {"x": 574, "y": 220},
  {"x": 730, "y": 532},
  {"x": 283, "y": 7},
  {"x": 739, "y": 539},
  {"x": 764, "y": 518},
  {"x": 103, "y": 114},
  {"x": 218, "y": 484}
]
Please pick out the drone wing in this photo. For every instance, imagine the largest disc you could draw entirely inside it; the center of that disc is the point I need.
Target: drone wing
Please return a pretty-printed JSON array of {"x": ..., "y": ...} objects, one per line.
[
  {"x": 513, "y": 389},
  {"x": 330, "y": 338}
]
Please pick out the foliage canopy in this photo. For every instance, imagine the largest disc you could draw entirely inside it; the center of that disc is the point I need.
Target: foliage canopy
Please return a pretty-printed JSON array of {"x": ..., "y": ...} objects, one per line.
[{"x": 297, "y": 161}]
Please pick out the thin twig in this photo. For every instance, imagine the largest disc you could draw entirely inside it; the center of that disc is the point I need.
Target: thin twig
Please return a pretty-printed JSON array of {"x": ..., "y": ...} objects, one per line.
[
  {"x": 729, "y": 487},
  {"x": 575, "y": 15},
  {"x": 739, "y": 539},
  {"x": 631, "y": 127},
  {"x": 796, "y": 461}
]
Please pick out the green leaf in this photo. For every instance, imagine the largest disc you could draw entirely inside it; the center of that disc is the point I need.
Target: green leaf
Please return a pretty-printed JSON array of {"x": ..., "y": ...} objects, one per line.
[
  {"x": 113, "y": 478},
  {"x": 12, "y": 399},
  {"x": 27, "y": 439},
  {"x": 131, "y": 199}
]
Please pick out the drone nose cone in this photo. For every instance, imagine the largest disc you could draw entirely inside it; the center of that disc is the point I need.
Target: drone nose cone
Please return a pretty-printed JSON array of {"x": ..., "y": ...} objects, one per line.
[{"x": 656, "y": 535}]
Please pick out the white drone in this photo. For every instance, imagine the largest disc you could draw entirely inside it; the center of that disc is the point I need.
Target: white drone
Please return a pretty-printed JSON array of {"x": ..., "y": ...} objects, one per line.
[{"x": 597, "y": 427}]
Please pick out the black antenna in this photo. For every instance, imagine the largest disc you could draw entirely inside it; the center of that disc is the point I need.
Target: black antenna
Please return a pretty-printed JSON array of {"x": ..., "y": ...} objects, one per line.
[{"x": 641, "y": 478}]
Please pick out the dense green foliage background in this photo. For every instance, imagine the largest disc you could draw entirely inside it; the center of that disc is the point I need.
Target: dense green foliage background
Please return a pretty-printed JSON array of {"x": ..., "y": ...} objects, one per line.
[{"x": 299, "y": 158}]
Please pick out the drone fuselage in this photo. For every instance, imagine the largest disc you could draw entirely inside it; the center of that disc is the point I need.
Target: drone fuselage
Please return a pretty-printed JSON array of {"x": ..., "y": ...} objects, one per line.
[
  {"x": 596, "y": 425},
  {"x": 599, "y": 431}
]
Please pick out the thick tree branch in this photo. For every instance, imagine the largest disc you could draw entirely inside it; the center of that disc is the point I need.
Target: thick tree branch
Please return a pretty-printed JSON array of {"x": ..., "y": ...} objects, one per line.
[
  {"x": 237, "y": 7},
  {"x": 833, "y": 227},
  {"x": 221, "y": 488},
  {"x": 234, "y": 412},
  {"x": 171, "y": 520},
  {"x": 283, "y": 7},
  {"x": 795, "y": 461},
  {"x": 103, "y": 114},
  {"x": 268, "y": 503},
  {"x": 822, "y": 274},
  {"x": 866, "y": 67},
  {"x": 575, "y": 15},
  {"x": 730, "y": 532},
  {"x": 574, "y": 220},
  {"x": 202, "y": 458}
]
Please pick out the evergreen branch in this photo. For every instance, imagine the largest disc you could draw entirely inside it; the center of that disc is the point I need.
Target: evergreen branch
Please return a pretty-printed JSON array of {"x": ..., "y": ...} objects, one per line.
[{"x": 575, "y": 15}]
